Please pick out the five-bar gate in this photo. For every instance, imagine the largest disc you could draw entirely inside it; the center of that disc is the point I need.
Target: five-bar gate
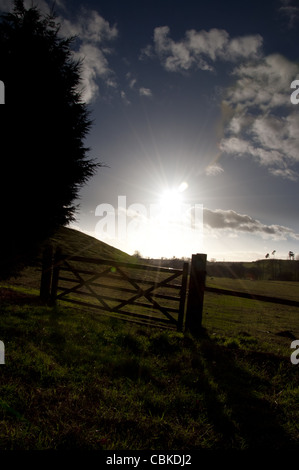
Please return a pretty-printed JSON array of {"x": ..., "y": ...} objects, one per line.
[{"x": 138, "y": 292}]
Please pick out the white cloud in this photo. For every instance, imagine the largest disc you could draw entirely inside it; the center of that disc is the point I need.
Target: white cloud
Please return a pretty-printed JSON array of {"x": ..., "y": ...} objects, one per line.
[
  {"x": 124, "y": 98},
  {"x": 132, "y": 82},
  {"x": 263, "y": 124},
  {"x": 285, "y": 173},
  {"x": 131, "y": 79},
  {"x": 213, "y": 170},
  {"x": 147, "y": 52},
  {"x": 94, "y": 28},
  {"x": 264, "y": 83},
  {"x": 243, "y": 47},
  {"x": 174, "y": 56},
  {"x": 235, "y": 145},
  {"x": 234, "y": 223},
  {"x": 200, "y": 49},
  {"x": 95, "y": 36},
  {"x": 145, "y": 92},
  {"x": 95, "y": 65},
  {"x": 211, "y": 43}
]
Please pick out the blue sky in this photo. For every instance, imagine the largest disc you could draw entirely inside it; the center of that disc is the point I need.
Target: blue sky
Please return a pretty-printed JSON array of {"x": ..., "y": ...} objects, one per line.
[{"x": 191, "y": 108}]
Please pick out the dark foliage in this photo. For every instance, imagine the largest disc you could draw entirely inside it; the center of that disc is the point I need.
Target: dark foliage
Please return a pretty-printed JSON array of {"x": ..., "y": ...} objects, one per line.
[
  {"x": 44, "y": 123},
  {"x": 269, "y": 269}
]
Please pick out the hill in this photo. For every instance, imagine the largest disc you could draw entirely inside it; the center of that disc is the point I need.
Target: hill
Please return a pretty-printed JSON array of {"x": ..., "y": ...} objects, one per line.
[{"x": 73, "y": 242}]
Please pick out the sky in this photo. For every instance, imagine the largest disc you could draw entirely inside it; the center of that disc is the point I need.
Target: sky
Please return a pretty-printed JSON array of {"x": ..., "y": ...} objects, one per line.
[{"x": 195, "y": 116}]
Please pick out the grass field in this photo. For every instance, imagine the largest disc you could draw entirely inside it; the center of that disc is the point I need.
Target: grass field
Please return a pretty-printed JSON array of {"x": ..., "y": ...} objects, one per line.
[
  {"x": 271, "y": 324},
  {"x": 75, "y": 379},
  {"x": 278, "y": 289},
  {"x": 78, "y": 380}
]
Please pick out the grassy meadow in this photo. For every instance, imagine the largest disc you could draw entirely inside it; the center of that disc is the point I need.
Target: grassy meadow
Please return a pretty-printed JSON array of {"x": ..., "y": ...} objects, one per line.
[
  {"x": 76, "y": 379},
  {"x": 273, "y": 326}
]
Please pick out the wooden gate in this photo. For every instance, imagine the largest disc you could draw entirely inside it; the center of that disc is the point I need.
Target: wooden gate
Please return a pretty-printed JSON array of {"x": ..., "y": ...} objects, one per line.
[{"x": 141, "y": 292}]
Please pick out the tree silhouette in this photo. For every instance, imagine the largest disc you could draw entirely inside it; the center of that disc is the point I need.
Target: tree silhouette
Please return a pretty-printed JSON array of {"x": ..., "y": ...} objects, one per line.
[{"x": 44, "y": 123}]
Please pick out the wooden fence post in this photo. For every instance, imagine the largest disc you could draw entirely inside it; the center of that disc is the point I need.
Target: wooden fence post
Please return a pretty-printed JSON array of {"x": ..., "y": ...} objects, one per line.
[
  {"x": 196, "y": 294},
  {"x": 55, "y": 276},
  {"x": 46, "y": 278}
]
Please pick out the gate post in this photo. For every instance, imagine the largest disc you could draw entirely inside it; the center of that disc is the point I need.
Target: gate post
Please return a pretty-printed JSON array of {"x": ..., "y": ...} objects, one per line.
[
  {"x": 46, "y": 278},
  {"x": 196, "y": 294}
]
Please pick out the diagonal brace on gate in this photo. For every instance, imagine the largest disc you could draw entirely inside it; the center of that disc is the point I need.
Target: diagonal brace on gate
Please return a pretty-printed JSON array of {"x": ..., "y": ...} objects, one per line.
[
  {"x": 140, "y": 292},
  {"x": 84, "y": 277},
  {"x": 85, "y": 282},
  {"x": 147, "y": 293}
]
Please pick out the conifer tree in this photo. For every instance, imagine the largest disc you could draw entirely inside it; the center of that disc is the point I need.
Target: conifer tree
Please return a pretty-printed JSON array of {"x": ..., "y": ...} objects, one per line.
[{"x": 43, "y": 159}]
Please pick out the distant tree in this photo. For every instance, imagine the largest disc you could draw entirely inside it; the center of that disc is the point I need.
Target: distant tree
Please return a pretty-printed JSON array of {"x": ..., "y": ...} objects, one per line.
[
  {"x": 44, "y": 123},
  {"x": 291, "y": 255}
]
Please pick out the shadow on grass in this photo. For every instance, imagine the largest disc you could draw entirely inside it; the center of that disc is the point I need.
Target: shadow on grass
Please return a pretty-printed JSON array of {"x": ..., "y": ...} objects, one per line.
[
  {"x": 236, "y": 384},
  {"x": 12, "y": 296}
]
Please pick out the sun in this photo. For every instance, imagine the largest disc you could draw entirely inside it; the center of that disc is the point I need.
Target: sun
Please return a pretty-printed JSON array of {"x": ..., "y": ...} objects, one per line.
[{"x": 171, "y": 199}]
